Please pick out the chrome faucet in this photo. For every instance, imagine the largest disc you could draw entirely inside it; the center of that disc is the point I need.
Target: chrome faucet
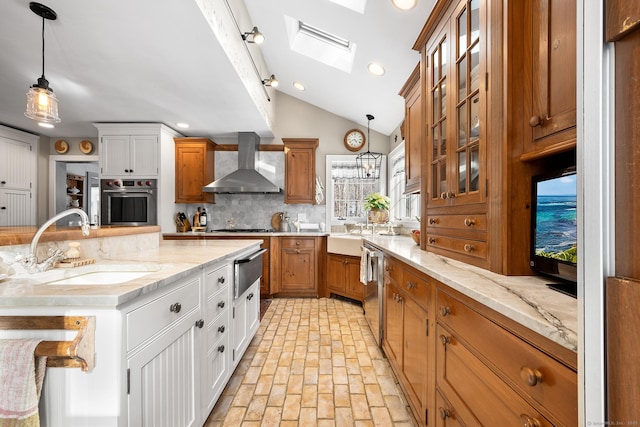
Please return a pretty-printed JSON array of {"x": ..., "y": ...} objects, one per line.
[{"x": 30, "y": 262}]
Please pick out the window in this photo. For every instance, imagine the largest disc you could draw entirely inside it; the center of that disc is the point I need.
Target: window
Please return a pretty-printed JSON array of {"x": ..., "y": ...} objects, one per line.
[
  {"x": 404, "y": 207},
  {"x": 346, "y": 192}
]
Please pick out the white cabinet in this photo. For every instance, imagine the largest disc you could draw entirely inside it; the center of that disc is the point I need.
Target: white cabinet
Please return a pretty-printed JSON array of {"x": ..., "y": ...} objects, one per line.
[
  {"x": 246, "y": 319},
  {"x": 129, "y": 156},
  {"x": 163, "y": 380},
  {"x": 17, "y": 177}
]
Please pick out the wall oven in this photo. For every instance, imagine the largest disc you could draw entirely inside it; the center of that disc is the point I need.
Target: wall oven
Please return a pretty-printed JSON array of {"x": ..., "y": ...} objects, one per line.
[{"x": 129, "y": 202}]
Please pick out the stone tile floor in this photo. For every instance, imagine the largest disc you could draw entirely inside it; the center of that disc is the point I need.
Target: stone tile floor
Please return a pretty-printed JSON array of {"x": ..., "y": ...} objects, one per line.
[{"x": 313, "y": 362}]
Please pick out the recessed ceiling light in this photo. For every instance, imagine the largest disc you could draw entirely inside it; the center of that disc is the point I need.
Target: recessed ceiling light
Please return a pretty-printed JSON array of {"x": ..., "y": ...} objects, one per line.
[
  {"x": 298, "y": 86},
  {"x": 46, "y": 125},
  {"x": 183, "y": 125},
  {"x": 376, "y": 69},
  {"x": 404, "y": 4}
]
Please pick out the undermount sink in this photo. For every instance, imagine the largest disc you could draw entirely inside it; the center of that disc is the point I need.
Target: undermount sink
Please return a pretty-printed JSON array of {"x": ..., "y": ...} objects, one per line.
[
  {"x": 344, "y": 244},
  {"x": 99, "y": 274}
]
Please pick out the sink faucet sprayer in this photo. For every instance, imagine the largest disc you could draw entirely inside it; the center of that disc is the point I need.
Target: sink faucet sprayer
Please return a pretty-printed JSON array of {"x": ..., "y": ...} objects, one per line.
[{"x": 30, "y": 262}]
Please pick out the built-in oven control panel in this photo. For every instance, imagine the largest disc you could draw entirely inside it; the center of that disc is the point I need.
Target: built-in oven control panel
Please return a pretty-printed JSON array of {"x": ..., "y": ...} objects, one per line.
[{"x": 129, "y": 184}]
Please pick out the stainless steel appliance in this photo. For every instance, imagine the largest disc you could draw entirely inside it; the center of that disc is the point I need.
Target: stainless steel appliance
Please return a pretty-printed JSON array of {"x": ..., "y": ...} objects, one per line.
[
  {"x": 246, "y": 271},
  {"x": 129, "y": 202},
  {"x": 372, "y": 262}
]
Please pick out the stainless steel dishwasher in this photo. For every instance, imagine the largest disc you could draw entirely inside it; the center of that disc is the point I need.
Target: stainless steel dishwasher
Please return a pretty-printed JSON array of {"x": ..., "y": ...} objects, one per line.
[{"x": 373, "y": 289}]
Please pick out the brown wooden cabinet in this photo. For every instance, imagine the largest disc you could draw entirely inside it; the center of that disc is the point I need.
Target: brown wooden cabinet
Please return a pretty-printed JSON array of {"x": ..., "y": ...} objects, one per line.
[
  {"x": 413, "y": 123},
  {"x": 343, "y": 277},
  {"x": 300, "y": 170},
  {"x": 298, "y": 264},
  {"x": 194, "y": 169},
  {"x": 406, "y": 341}
]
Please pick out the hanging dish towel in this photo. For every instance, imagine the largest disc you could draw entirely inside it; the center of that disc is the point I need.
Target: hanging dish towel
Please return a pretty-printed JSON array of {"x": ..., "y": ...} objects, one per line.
[
  {"x": 21, "y": 377},
  {"x": 364, "y": 264}
]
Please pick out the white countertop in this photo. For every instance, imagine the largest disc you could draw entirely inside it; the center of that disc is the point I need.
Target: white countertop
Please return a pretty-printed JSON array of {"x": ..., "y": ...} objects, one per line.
[
  {"x": 524, "y": 299},
  {"x": 178, "y": 259},
  {"x": 212, "y": 234}
]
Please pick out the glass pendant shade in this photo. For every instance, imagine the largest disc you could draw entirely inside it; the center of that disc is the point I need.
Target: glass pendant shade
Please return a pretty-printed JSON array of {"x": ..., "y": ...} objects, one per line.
[{"x": 42, "y": 104}]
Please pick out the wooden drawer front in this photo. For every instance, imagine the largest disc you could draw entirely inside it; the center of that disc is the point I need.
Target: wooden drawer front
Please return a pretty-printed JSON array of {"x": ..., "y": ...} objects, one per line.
[
  {"x": 463, "y": 222},
  {"x": 514, "y": 358},
  {"x": 392, "y": 269},
  {"x": 417, "y": 286},
  {"x": 480, "y": 397},
  {"x": 469, "y": 247},
  {"x": 216, "y": 330},
  {"x": 217, "y": 279},
  {"x": 292, "y": 242},
  {"x": 217, "y": 303},
  {"x": 157, "y": 314}
]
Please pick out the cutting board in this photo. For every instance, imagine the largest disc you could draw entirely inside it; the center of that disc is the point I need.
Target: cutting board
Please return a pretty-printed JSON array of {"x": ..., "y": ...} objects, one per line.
[{"x": 275, "y": 220}]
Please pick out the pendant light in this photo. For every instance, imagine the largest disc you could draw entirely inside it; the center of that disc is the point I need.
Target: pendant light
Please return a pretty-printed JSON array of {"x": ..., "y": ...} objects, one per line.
[
  {"x": 42, "y": 104},
  {"x": 368, "y": 163}
]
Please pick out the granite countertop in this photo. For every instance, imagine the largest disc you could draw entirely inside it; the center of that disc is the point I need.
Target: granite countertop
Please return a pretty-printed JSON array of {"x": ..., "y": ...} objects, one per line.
[
  {"x": 177, "y": 259},
  {"x": 524, "y": 299}
]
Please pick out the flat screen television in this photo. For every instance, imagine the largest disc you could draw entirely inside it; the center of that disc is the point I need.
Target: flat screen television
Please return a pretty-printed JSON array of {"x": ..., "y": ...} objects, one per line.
[{"x": 554, "y": 228}]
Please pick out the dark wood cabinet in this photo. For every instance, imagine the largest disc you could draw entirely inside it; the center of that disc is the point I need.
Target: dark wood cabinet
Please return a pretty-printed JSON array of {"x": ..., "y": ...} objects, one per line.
[
  {"x": 194, "y": 168},
  {"x": 343, "y": 276},
  {"x": 413, "y": 124},
  {"x": 300, "y": 170}
]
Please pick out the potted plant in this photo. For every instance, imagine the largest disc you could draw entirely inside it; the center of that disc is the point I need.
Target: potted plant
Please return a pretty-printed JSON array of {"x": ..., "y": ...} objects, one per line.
[{"x": 377, "y": 206}]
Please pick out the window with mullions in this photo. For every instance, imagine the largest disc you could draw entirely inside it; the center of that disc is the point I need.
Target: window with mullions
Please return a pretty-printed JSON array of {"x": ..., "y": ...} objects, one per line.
[
  {"x": 404, "y": 207},
  {"x": 346, "y": 192}
]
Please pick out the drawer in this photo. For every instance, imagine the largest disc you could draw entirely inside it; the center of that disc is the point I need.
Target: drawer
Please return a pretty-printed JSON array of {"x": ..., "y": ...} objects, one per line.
[
  {"x": 392, "y": 269},
  {"x": 469, "y": 247},
  {"x": 149, "y": 319},
  {"x": 417, "y": 286},
  {"x": 217, "y": 279},
  {"x": 479, "y": 396},
  {"x": 217, "y": 303},
  {"x": 531, "y": 371},
  {"x": 217, "y": 329},
  {"x": 293, "y": 242},
  {"x": 463, "y": 222}
]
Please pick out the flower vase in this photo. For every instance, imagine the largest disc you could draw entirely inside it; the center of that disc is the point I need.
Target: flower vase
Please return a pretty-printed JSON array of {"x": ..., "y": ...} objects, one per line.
[{"x": 378, "y": 216}]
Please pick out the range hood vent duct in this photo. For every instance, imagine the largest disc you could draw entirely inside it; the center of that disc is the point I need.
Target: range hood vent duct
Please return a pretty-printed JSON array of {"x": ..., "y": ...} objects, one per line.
[{"x": 246, "y": 179}]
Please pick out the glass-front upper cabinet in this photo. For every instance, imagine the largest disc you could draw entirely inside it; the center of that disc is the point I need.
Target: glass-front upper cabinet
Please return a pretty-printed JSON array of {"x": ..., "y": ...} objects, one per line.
[{"x": 456, "y": 74}]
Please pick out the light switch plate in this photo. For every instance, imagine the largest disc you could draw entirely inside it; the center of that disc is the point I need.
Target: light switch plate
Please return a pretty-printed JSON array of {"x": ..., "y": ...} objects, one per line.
[{"x": 302, "y": 217}]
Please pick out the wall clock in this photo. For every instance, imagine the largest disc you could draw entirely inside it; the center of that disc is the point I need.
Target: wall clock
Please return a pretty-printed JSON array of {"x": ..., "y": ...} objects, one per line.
[{"x": 354, "y": 139}]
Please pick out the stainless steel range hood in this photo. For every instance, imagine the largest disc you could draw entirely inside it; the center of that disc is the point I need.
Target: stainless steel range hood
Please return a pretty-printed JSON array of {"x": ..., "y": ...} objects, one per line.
[{"x": 246, "y": 179}]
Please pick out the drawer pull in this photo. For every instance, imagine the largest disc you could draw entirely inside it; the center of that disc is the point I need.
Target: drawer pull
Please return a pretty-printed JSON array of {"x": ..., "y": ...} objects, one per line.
[
  {"x": 468, "y": 247},
  {"x": 451, "y": 195},
  {"x": 221, "y": 279},
  {"x": 410, "y": 285},
  {"x": 469, "y": 222},
  {"x": 445, "y": 310},
  {"x": 297, "y": 243},
  {"x": 200, "y": 323},
  {"x": 527, "y": 421},
  {"x": 221, "y": 348},
  {"x": 531, "y": 376},
  {"x": 443, "y": 195},
  {"x": 432, "y": 240},
  {"x": 433, "y": 221},
  {"x": 250, "y": 296},
  {"x": 221, "y": 304},
  {"x": 175, "y": 308},
  {"x": 444, "y": 413},
  {"x": 445, "y": 340},
  {"x": 221, "y": 329}
]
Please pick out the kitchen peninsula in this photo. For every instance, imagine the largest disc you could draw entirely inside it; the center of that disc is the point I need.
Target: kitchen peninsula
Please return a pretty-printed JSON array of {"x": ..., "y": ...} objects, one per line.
[{"x": 165, "y": 338}]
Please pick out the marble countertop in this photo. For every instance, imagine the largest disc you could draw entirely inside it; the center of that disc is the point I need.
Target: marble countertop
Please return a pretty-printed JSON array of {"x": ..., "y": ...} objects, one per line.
[
  {"x": 244, "y": 234},
  {"x": 176, "y": 258},
  {"x": 524, "y": 299}
]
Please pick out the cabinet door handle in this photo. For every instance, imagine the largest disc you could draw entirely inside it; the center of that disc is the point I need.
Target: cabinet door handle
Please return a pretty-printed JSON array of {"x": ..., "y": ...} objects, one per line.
[
  {"x": 531, "y": 376},
  {"x": 250, "y": 296},
  {"x": 3, "y": 182},
  {"x": 221, "y": 279},
  {"x": 444, "y": 413},
  {"x": 445, "y": 310},
  {"x": 131, "y": 170},
  {"x": 200, "y": 323},
  {"x": 433, "y": 221},
  {"x": 535, "y": 121},
  {"x": 221, "y": 348},
  {"x": 432, "y": 240},
  {"x": 175, "y": 308},
  {"x": 126, "y": 170},
  {"x": 445, "y": 340},
  {"x": 4, "y": 208},
  {"x": 469, "y": 222},
  {"x": 443, "y": 195},
  {"x": 528, "y": 421},
  {"x": 468, "y": 247},
  {"x": 221, "y": 329},
  {"x": 410, "y": 285},
  {"x": 297, "y": 243},
  {"x": 221, "y": 304}
]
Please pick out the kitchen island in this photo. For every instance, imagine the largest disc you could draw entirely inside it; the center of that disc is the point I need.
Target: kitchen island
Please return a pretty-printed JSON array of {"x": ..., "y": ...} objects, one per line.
[{"x": 165, "y": 341}]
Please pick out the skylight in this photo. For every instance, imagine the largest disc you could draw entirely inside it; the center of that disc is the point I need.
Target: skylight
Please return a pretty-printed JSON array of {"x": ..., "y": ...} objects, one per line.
[
  {"x": 321, "y": 45},
  {"x": 355, "y": 5}
]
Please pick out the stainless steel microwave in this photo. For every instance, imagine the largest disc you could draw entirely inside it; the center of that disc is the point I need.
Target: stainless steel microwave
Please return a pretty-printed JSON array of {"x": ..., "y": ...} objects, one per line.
[{"x": 129, "y": 202}]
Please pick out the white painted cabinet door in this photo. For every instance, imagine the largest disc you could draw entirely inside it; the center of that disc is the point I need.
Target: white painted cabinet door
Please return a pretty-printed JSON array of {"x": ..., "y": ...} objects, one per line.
[
  {"x": 16, "y": 208},
  {"x": 17, "y": 164},
  {"x": 246, "y": 318},
  {"x": 129, "y": 156},
  {"x": 114, "y": 155},
  {"x": 144, "y": 156}
]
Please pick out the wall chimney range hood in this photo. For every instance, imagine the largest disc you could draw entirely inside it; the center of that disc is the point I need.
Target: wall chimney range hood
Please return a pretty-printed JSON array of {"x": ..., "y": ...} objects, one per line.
[{"x": 246, "y": 179}]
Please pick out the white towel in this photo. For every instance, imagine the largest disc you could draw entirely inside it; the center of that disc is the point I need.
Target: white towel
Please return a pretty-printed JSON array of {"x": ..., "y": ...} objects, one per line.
[
  {"x": 365, "y": 265},
  {"x": 21, "y": 377}
]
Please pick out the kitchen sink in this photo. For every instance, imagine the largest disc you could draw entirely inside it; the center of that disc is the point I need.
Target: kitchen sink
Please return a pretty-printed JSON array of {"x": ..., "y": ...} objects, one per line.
[
  {"x": 98, "y": 274},
  {"x": 344, "y": 244}
]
